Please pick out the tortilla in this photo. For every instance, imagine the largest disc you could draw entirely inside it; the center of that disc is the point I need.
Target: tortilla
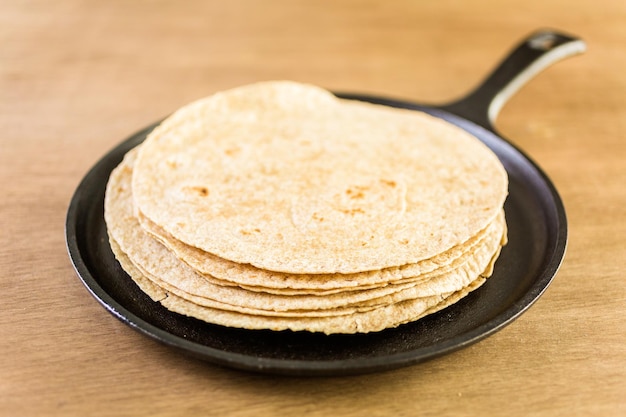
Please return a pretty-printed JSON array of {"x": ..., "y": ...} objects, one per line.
[
  {"x": 285, "y": 177},
  {"x": 374, "y": 320},
  {"x": 250, "y": 277}
]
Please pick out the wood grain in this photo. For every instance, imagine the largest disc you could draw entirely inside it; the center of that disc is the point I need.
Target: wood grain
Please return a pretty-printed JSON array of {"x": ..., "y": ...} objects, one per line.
[{"x": 77, "y": 77}]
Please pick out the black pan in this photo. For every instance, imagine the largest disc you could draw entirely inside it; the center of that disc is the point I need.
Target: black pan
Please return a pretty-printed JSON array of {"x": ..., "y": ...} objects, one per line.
[{"x": 537, "y": 240}]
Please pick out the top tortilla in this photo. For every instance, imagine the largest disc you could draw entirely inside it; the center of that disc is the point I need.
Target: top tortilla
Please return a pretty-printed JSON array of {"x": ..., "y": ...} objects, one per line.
[{"x": 288, "y": 178}]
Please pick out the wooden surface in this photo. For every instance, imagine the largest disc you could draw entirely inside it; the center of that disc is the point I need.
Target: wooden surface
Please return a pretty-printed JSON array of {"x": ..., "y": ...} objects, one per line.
[{"x": 77, "y": 77}]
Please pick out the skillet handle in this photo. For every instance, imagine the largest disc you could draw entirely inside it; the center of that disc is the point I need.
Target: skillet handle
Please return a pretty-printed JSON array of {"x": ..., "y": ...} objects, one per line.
[{"x": 537, "y": 52}]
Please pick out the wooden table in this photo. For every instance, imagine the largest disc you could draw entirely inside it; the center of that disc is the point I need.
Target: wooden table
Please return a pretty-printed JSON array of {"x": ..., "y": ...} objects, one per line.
[{"x": 77, "y": 77}]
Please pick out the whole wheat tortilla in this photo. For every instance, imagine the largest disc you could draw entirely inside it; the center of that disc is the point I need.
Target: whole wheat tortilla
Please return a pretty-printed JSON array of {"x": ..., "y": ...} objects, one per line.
[
  {"x": 320, "y": 307},
  {"x": 370, "y": 321},
  {"x": 288, "y": 178},
  {"x": 386, "y": 317},
  {"x": 162, "y": 267},
  {"x": 257, "y": 279}
]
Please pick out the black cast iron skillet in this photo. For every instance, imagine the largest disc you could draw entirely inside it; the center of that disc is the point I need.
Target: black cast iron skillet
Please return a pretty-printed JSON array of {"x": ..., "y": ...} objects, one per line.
[{"x": 537, "y": 240}]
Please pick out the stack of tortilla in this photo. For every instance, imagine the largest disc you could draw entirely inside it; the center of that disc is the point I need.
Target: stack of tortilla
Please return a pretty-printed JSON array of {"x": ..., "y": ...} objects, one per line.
[{"x": 279, "y": 206}]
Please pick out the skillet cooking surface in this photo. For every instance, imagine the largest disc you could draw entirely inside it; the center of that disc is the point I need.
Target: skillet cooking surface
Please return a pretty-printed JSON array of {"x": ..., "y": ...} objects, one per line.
[{"x": 537, "y": 240}]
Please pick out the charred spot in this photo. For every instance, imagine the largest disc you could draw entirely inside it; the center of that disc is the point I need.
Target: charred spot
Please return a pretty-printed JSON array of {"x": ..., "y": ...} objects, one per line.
[
  {"x": 318, "y": 217},
  {"x": 353, "y": 211},
  {"x": 356, "y": 192},
  {"x": 198, "y": 190},
  {"x": 248, "y": 232}
]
